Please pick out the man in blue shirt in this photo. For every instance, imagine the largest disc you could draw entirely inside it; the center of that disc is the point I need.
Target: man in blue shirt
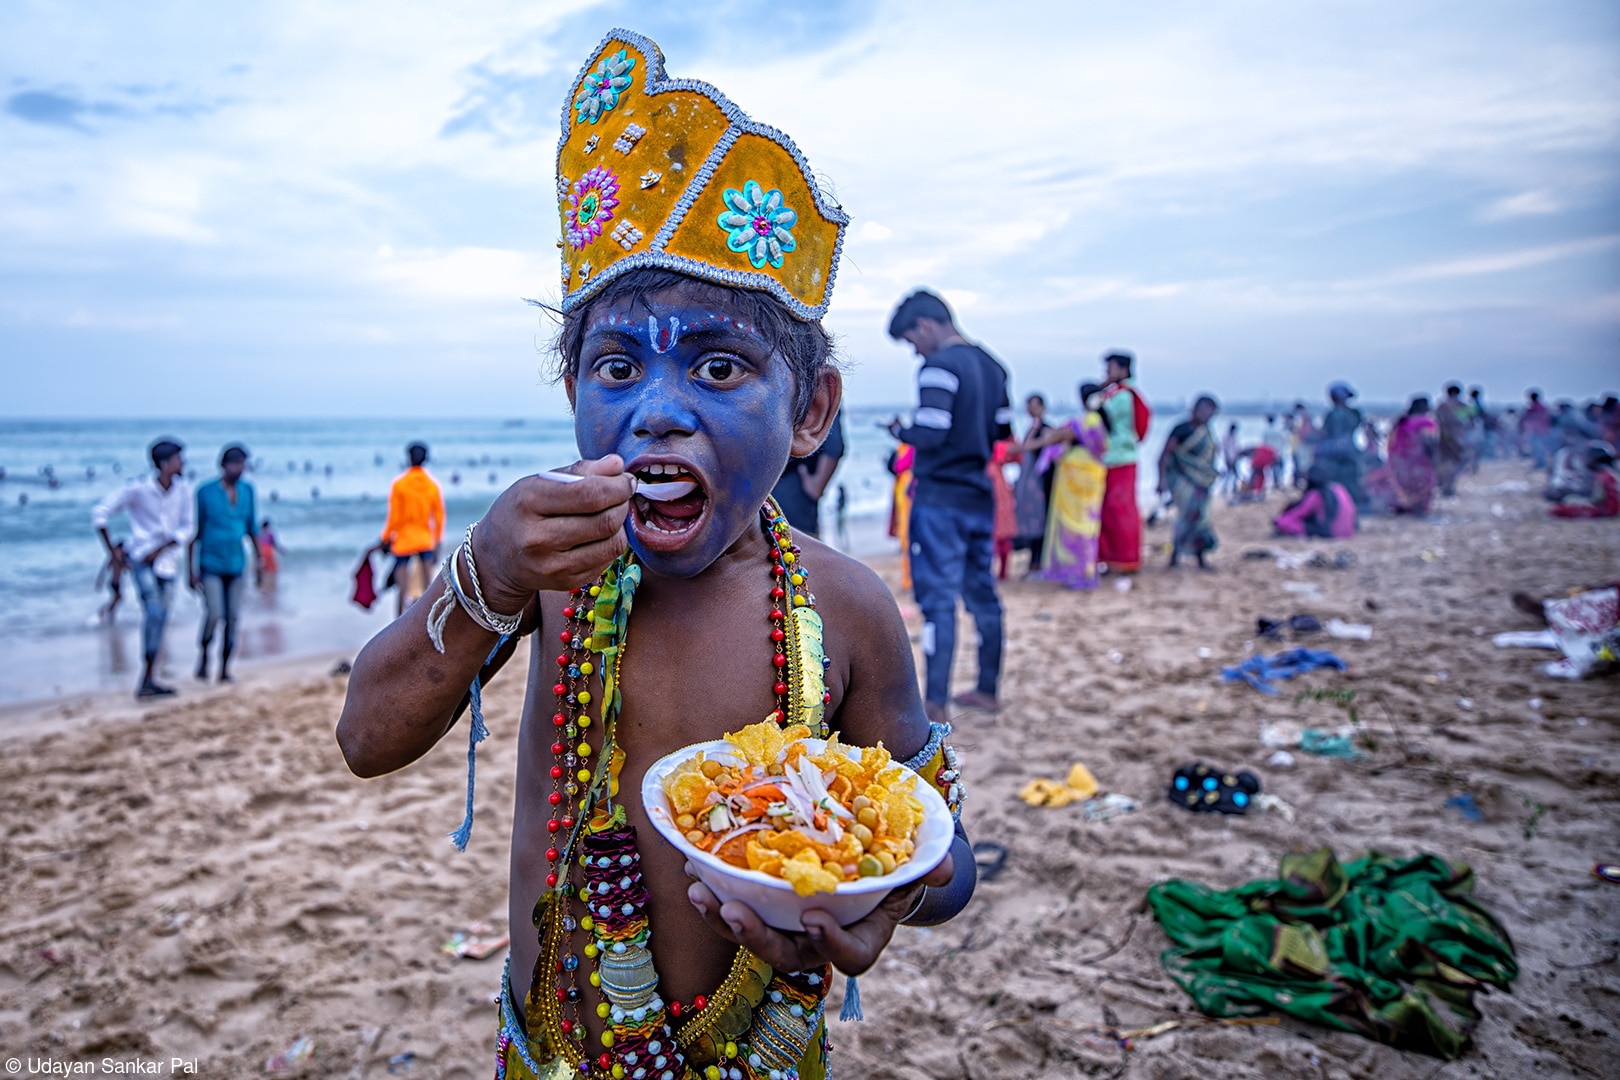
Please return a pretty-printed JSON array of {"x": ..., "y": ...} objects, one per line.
[
  {"x": 226, "y": 518},
  {"x": 962, "y": 412}
]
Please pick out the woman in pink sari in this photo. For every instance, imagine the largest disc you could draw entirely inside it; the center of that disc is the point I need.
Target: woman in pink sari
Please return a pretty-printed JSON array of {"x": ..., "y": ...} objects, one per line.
[
  {"x": 1074, "y": 519},
  {"x": 1406, "y": 484}
]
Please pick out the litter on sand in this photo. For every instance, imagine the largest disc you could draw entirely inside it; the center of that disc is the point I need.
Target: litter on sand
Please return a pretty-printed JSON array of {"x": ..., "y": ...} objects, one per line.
[
  {"x": 299, "y": 1052},
  {"x": 1302, "y": 588},
  {"x": 1108, "y": 806},
  {"x": 1337, "y": 744},
  {"x": 1348, "y": 631},
  {"x": 1078, "y": 786},
  {"x": 1259, "y": 670},
  {"x": 1271, "y": 804},
  {"x": 475, "y": 942},
  {"x": 1210, "y": 789},
  {"x": 1394, "y": 950},
  {"x": 1280, "y": 759},
  {"x": 1465, "y": 805},
  {"x": 1526, "y": 639}
]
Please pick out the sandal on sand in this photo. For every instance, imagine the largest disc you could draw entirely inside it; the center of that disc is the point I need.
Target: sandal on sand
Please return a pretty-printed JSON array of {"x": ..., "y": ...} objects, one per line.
[
  {"x": 1207, "y": 789},
  {"x": 1603, "y": 871},
  {"x": 990, "y": 857}
]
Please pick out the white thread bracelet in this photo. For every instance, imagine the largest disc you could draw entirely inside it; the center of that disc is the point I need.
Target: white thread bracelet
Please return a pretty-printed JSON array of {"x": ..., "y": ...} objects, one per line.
[
  {"x": 454, "y": 594},
  {"x": 501, "y": 624}
]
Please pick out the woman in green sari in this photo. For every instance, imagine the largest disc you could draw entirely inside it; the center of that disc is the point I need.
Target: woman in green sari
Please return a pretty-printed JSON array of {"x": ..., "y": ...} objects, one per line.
[{"x": 1188, "y": 471}]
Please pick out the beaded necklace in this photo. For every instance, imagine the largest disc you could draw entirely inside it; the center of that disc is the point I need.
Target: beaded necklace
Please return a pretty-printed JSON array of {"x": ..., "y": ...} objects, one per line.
[{"x": 759, "y": 1022}]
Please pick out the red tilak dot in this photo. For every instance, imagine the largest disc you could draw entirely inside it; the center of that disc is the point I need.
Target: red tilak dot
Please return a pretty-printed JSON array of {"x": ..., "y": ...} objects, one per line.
[
  {"x": 551, "y": 854},
  {"x": 777, "y": 634},
  {"x": 551, "y": 881},
  {"x": 565, "y": 637},
  {"x": 556, "y": 772},
  {"x": 779, "y": 660},
  {"x": 780, "y": 688},
  {"x": 556, "y": 798}
]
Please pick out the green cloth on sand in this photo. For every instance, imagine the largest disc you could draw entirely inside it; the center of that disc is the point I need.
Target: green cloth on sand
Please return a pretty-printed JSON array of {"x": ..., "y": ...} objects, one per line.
[{"x": 1387, "y": 948}]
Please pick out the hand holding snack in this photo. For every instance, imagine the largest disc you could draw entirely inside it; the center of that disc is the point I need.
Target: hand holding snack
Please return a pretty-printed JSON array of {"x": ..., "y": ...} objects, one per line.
[{"x": 776, "y": 827}]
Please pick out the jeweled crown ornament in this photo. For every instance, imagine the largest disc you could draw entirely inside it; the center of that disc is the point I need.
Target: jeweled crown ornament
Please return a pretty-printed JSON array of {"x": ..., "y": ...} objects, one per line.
[{"x": 661, "y": 172}]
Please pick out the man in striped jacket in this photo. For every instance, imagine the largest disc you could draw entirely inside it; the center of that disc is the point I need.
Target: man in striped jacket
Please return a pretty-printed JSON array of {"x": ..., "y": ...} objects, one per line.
[{"x": 962, "y": 411}]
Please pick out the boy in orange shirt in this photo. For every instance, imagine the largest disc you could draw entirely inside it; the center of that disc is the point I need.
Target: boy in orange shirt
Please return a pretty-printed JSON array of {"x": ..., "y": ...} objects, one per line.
[{"x": 414, "y": 528}]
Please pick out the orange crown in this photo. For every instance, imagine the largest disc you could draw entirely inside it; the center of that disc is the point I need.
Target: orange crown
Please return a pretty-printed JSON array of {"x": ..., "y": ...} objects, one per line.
[{"x": 653, "y": 171}]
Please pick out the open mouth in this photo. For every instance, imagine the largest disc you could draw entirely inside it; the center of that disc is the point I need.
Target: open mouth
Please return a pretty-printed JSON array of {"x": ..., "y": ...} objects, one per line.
[{"x": 663, "y": 523}]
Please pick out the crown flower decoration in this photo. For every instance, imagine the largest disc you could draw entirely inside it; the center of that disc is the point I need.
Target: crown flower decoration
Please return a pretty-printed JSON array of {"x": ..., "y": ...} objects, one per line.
[{"x": 669, "y": 173}]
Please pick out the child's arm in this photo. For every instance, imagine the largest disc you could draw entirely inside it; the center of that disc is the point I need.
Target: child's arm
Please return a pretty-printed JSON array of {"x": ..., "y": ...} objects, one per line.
[
  {"x": 539, "y": 536},
  {"x": 880, "y": 703}
]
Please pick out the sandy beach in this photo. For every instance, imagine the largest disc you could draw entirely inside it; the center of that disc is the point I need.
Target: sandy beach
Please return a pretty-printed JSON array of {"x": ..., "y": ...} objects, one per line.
[{"x": 205, "y": 880}]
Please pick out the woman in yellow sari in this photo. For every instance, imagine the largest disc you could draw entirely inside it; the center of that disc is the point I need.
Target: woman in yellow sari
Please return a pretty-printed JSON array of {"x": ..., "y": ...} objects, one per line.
[{"x": 1074, "y": 519}]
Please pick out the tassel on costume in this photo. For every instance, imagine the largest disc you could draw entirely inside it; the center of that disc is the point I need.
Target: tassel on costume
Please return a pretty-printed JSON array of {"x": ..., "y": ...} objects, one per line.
[
  {"x": 477, "y": 732},
  {"x": 852, "y": 1000}
]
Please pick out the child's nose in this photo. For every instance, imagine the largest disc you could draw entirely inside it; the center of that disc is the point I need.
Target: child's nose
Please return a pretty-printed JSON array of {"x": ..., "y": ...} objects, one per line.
[{"x": 665, "y": 409}]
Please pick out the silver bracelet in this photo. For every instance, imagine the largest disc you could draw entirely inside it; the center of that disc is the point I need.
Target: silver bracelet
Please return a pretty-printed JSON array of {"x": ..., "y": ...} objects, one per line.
[
  {"x": 921, "y": 896},
  {"x": 501, "y": 624},
  {"x": 478, "y": 612}
]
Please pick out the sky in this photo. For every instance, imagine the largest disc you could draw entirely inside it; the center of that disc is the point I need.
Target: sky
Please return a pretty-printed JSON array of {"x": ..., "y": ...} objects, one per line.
[{"x": 316, "y": 209}]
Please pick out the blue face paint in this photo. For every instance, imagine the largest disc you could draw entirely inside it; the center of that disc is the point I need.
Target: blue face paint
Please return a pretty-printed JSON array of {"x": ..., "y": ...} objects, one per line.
[{"x": 685, "y": 385}]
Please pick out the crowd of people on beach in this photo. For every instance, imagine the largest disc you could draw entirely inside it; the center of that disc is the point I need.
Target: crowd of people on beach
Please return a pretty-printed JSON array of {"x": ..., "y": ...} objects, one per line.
[{"x": 1072, "y": 503}]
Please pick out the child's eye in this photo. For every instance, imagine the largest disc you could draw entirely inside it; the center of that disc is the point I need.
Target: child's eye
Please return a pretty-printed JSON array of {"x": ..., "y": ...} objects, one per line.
[
  {"x": 719, "y": 370},
  {"x": 616, "y": 369}
]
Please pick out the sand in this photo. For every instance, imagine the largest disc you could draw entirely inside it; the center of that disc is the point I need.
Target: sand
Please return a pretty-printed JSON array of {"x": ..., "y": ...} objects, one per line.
[{"x": 205, "y": 880}]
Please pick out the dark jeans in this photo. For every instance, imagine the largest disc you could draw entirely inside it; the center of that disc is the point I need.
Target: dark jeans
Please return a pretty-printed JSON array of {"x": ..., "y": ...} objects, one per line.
[
  {"x": 155, "y": 592},
  {"x": 222, "y": 598},
  {"x": 950, "y": 557}
]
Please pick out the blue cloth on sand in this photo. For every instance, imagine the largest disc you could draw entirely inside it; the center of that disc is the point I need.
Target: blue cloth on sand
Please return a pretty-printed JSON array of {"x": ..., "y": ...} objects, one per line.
[{"x": 1258, "y": 670}]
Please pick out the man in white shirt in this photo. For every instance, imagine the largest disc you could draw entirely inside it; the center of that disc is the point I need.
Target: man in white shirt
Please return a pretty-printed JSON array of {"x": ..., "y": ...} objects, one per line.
[{"x": 161, "y": 523}]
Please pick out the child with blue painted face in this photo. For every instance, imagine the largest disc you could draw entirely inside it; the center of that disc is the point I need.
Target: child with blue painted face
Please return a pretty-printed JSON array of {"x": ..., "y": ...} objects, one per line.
[{"x": 708, "y": 387}]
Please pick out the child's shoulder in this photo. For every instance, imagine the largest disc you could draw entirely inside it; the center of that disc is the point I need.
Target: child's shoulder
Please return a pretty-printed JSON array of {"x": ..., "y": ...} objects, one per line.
[{"x": 845, "y": 587}]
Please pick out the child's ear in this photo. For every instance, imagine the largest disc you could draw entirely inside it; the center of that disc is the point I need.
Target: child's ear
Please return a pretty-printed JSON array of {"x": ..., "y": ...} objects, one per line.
[{"x": 809, "y": 432}]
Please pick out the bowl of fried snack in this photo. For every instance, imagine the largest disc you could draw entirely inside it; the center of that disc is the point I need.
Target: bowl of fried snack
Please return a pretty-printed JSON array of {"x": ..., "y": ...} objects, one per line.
[{"x": 784, "y": 823}]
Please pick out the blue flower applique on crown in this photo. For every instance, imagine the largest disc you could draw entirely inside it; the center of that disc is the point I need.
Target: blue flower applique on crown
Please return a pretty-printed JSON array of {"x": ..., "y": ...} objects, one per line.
[
  {"x": 601, "y": 89},
  {"x": 759, "y": 224}
]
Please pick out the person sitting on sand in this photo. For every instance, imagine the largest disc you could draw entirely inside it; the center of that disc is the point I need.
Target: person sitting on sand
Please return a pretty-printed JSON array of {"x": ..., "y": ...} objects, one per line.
[
  {"x": 674, "y": 378},
  {"x": 1406, "y": 483},
  {"x": 1601, "y": 495},
  {"x": 1325, "y": 511},
  {"x": 1187, "y": 472}
]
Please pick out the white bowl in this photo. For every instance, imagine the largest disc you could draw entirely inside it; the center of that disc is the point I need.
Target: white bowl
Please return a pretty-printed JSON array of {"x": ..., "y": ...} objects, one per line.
[{"x": 772, "y": 898}]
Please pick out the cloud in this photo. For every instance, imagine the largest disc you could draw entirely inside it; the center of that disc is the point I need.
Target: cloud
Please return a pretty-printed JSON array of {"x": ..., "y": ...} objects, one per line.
[
  {"x": 50, "y": 109},
  {"x": 1524, "y": 204}
]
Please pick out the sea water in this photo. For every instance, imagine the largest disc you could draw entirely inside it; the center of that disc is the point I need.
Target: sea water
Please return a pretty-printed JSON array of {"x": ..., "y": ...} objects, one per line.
[{"x": 324, "y": 486}]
